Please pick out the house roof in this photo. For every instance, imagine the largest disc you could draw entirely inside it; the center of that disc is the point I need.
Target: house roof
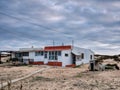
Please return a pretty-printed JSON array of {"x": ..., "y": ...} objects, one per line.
[
  {"x": 50, "y": 48},
  {"x": 30, "y": 49},
  {"x": 78, "y": 51}
]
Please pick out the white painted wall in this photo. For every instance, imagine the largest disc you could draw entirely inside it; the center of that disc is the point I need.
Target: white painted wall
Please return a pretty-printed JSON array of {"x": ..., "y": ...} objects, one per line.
[
  {"x": 33, "y": 57},
  {"x": 26, "y": 57},
  {"x": 66, "y": 60},
  {"x": 79, "y": 61},
  {"x": 87, "y": 54},
  {"x": 13, "y": 55},
  {"x": 39, "y": 58}
]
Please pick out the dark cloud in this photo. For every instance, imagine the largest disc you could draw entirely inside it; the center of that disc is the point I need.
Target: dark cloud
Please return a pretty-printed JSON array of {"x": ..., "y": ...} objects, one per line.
[{"x": 91, "y": 24}]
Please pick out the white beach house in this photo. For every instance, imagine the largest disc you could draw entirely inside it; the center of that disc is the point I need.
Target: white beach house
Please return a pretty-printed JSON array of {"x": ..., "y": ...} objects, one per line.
[{"x": 56, "y": 55}]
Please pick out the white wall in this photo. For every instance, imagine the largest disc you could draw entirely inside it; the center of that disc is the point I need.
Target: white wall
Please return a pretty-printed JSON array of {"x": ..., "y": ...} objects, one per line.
[
  {"x": 36, "y": 58},
  {"x": 87, "y": 58},
  {"x": 66, "y": 60},
  {"x": 39, "y": 58},
  {"x": 13, "y": 55},
  {"x": 33, "y": 57},
  {"x": 78, "y": 60},
  {"x": 26, "y": 57},
  {"x": 87, "y": 54}
]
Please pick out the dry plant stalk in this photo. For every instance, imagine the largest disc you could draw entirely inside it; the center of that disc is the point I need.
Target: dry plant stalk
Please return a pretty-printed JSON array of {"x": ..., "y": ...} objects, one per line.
[
  {"x": 2, "y": 88},
  {"x": 21, "y": 86},
  {"x": 9, "y": 82}
]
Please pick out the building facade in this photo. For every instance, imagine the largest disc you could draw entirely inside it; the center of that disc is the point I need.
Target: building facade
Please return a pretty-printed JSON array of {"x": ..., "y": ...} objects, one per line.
[{"x": 64, "y": 56}]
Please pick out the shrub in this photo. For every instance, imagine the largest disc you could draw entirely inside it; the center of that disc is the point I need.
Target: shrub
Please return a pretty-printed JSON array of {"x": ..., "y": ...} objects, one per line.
[
  {"x": 39, "y": 78},
  {"x": 14, "y": 59}
]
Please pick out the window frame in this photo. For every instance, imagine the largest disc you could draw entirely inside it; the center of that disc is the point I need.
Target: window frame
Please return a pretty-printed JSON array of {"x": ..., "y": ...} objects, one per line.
[
  {"x": 53, "y": 55},
  {"x": 91, "y": 57},
  {"x": 39, "y": 53},
  {"x": 25, "y": 54},
  {"x": 66, "y": 54},
  {"x": 45, "y": 54},
  {"x": 82, "y": 55}
]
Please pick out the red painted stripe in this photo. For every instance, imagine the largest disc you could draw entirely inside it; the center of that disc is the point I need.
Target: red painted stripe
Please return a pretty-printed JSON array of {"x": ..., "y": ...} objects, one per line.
[
  {"x": 49, "y": 48},
  {"x": 72, "y": 65},
  {"x": 37, "y": 63},
  {"x": 54, "y": 63}
]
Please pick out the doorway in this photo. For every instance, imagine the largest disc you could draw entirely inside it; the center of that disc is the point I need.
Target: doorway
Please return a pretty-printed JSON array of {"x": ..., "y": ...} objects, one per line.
[
  {"x": 73, "y": 58},
  {"x": 91, "y": 66}
]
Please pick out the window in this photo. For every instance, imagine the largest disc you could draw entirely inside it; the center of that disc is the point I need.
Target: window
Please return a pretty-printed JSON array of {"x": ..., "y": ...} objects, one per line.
[
  {"x": 53, "y": 55},
  {"x": 45, "y": 55},
  {"x": 18, "y": 55},
  {"x": 42, "y": 53},
  {"x": 82, "y": 56},
  {"x": 59, "y": 53},
  {"x": 25, "y": 54},
  {"x": 78, "y": 57},
  {"x": 39, "y": 53},
  {"x": 90, "y": 56},
  {"x": 66, "y": 54}
]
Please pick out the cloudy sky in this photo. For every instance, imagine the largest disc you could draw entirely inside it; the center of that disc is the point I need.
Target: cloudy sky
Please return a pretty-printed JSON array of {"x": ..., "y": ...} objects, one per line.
[{"x": 93, "y": 24}]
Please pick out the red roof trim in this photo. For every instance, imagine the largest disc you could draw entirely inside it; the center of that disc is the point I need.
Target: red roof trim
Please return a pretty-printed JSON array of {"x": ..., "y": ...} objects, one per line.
[{"x": 50, "y": 48}]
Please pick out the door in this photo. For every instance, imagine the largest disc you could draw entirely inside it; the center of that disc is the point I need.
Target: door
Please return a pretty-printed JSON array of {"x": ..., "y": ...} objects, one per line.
[
  {"x": 74, "y": 59},
  {"x": 45, "y": 57},
  {"x": 92, "y": 66}
]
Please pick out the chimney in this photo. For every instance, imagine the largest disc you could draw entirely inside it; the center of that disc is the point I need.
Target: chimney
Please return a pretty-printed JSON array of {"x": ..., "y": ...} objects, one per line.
[{"x": 32, "y": 47}]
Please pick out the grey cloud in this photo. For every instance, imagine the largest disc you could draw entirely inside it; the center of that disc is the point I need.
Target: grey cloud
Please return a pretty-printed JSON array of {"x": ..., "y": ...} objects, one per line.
[{"x": 39, "y": 22}]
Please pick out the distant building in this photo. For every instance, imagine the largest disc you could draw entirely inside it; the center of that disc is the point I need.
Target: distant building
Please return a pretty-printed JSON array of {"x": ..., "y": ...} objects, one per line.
[{"x": 64, "y": 56}]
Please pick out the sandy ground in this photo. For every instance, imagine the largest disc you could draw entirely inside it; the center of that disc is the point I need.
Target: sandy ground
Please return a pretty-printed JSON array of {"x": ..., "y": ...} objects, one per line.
[
  {"x": 111, "y": 61},
  {"x": 14, "y": 72},
  {"x": 71, "y": 79}
]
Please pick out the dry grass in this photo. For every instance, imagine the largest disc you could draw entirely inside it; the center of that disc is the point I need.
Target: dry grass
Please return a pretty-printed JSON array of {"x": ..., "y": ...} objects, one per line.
[
  {"x": 14, "y": 72},
  {"x": 71, "y": 79}
]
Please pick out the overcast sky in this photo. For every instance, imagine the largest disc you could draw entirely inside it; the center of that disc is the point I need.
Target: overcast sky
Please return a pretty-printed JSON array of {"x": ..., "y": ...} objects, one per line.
[{"x": 93, "y": 24}]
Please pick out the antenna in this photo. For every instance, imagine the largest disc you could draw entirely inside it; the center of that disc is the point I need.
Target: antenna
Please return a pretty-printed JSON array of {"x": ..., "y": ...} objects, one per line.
[
  {"x": 53, "y": 43},
  {"x": 62, "y": 44},
  {"x": 54, "y": 53},
  {"x": 72, "y": 43}
]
